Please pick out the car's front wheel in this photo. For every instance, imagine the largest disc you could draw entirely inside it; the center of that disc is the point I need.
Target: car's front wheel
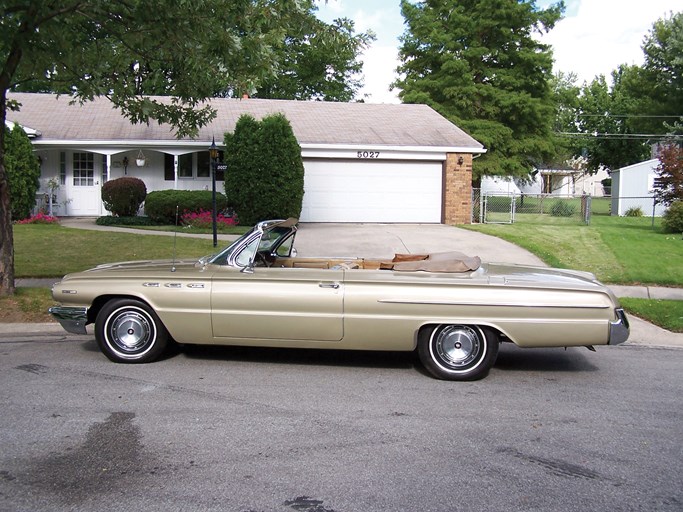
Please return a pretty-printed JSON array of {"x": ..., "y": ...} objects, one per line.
[
  {"x": 129, "y": 331},
  {"x": 458, "y": 352}
]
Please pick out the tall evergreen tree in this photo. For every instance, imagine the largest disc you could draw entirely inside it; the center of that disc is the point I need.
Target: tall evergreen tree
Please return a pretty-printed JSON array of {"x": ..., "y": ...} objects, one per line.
[{"x": 478, "y": 63}]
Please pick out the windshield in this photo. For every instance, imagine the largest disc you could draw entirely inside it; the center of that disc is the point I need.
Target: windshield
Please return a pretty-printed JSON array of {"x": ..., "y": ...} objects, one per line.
[
  {"x": 265, "y": 239},
  {"x": 222, "y": 257}
]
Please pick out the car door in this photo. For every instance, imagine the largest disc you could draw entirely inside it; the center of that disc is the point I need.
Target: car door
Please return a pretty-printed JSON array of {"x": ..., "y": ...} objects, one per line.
[{"x": 278, "y": 303}]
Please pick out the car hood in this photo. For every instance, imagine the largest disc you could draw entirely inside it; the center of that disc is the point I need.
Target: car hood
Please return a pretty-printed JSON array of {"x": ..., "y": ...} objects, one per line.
[{"x": 145, "y": 268}]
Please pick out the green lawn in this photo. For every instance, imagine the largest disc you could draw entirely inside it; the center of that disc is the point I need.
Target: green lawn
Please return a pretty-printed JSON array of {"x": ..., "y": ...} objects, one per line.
[
  {"x": 617, "y": 250},
  {"x": 52, "y": 251},
  {"x": 664, "y": 313}
]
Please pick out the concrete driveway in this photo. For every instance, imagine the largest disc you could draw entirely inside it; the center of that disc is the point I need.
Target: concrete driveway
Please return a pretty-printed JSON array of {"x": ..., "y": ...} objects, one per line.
[
  {"x": 368, "y": 240},
  {"x": 385, "y": 240}
]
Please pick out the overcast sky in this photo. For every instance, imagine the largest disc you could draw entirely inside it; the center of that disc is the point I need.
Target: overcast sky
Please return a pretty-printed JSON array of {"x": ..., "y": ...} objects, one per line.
[{"x": 594, "y": 37}]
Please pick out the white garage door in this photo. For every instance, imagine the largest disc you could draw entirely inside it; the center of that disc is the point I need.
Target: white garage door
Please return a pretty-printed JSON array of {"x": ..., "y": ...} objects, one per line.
[{"x": 377, "y": 191}]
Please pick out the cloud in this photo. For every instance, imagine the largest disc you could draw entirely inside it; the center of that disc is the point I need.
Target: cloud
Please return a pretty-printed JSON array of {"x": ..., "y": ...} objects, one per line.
[
  {"x": 602, "y": 34},
  {"x": 379, "y": 69}
]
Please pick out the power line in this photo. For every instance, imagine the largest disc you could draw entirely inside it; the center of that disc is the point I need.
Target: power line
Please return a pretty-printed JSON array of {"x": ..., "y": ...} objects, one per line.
[
  {"x": 630, "y": 116},
  {"x": 621, "y": 136}
]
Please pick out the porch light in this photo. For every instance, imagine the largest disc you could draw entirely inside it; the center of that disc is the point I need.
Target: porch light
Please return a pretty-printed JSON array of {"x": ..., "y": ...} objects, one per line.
[
  {"x": 140, "y": 160},
  {"x": 213, "y": 155}
]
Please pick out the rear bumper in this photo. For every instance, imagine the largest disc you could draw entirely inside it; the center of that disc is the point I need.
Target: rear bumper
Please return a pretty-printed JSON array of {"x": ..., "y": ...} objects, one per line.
[
  {"x": 72, "y": 318},
  {"x": 619, "y": 329}
]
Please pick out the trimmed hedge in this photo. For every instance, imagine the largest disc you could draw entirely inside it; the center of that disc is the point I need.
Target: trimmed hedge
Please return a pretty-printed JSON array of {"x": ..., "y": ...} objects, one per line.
[
  {"x": 161, "y": 205},
  {"x": 123, "y": 221},
  {"x": 123, "y": 196}
]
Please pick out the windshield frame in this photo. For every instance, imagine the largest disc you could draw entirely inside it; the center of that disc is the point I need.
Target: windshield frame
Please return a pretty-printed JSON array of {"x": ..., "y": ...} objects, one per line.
[{"x": 232, "y": 255}]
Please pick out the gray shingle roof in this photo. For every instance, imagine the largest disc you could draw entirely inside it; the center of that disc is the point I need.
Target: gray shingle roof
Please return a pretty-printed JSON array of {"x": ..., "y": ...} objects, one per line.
[{"x": 313, "y": 122}]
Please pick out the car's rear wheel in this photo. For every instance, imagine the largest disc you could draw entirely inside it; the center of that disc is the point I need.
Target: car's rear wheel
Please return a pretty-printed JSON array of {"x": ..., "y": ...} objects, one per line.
[
  {"x": 458, "y": 352},
  {"x": 129, "y": 331}
]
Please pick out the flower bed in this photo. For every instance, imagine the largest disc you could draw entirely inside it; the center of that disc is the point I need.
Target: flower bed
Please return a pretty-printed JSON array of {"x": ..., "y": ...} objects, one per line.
[
  {"x": 40, "y": 218},
  {"x": 202, "y": 220}
]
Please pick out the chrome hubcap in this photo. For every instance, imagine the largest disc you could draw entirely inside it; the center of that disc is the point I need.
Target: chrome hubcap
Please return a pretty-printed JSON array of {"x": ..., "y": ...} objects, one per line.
[
  {"x": 131, "y": 331},
  {"x": 458, "y": 346}
]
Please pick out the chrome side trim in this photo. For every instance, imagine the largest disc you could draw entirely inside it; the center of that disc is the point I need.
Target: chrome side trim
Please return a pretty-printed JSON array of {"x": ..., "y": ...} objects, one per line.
[
  {"x": 619, "y": 330},
  {"x": 72, "y": 318},
  {"x": 493, "y": 304}
]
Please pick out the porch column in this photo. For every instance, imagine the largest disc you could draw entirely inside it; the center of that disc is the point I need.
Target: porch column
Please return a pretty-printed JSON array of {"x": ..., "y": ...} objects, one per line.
[
  {"x": 175, "y": 172},
  {"x": 107, "y": 176}
]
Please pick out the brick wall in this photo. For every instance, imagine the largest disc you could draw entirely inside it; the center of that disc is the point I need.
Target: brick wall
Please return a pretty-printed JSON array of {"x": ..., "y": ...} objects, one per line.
[{"x": 457, "y": 189}]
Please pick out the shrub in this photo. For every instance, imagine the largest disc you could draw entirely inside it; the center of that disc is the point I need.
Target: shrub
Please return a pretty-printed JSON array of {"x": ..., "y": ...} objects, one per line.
[
  {"x": 124, "y": 221},
  {"x": 23, "y": 172},
  {"x": 161, "y": 205},
  {"x": 41, "y": 218},
  {"x": 562, "y": 209},
  {"x": 672, "y": 220},
  {"x": 265, "y": 176},
  {"x": 634, "y": 211},
  {"x": 123, "y": 196},
  {"x": 203, "y": 220}
]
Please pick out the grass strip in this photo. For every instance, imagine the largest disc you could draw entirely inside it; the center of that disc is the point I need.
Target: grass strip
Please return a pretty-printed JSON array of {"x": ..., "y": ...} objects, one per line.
[{"x": 667, "y": 314}]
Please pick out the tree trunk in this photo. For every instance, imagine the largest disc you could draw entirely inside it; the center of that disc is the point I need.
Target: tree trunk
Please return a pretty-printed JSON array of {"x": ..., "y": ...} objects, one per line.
[{"x": 6, "y": 235}]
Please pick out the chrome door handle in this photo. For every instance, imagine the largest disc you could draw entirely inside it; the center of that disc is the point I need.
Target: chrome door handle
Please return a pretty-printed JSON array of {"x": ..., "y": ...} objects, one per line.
[{"x": 334, "y": 286}]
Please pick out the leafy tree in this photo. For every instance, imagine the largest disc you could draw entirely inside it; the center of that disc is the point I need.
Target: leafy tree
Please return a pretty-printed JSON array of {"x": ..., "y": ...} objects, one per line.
[
  {"x": 668, "y": 186},
  {"x": 265, "y": 175},
  {"x": 606, "y": 119},
  {"x": 23, "y": 172},
  {"x": 478, "y": 63},
  {"x": 318, "y": 61},
  {"x": 566, "y": 99},
  {"x": 661, "y": 78},
  {"x": 188, "y": 49}
]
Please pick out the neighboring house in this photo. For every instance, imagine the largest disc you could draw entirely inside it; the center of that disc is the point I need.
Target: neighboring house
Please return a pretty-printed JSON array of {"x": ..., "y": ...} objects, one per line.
[
  {"x": 558, "y": 182},
  {"x": 499, "y": 185},
  {"x": 362, "y": 162},
  {"x": 632, "y": 187}
]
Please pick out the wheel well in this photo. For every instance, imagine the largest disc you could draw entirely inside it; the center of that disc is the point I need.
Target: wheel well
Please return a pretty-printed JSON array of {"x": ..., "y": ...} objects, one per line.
[
  {"x": 100, "y": 301},
  {"x": 428, "y": 327}
]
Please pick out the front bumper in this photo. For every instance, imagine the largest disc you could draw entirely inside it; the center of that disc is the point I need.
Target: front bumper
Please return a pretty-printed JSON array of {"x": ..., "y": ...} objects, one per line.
[
  {"x": 72, "y": 318},
  {"x": 619, "y": 330}
]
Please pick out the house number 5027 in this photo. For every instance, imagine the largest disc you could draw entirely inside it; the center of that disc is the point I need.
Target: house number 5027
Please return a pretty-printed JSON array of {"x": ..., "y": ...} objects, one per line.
[{"x": 368, "y": 154}]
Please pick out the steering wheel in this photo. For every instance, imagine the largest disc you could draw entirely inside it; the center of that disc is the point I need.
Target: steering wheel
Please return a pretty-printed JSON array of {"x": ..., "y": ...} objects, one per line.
[{"x": 262, "y": 258}]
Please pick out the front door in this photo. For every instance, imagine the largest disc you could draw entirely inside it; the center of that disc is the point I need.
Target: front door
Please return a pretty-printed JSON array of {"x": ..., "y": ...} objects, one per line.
[
  {"x": 83, "y": 186},
  {"x": 278, "y": 303}
]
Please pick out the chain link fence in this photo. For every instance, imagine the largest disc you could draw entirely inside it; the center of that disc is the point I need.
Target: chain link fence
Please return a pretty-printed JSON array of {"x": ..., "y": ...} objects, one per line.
[{"x": 500, "y": 208}]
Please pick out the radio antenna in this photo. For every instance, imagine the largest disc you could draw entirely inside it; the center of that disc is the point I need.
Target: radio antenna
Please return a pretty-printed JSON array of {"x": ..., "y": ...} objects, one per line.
[{"x": 175, "y": 235}]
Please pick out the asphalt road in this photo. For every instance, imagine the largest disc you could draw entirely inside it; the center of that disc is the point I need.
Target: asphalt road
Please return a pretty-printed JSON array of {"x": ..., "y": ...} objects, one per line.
[{"x": 251, "y": 430}]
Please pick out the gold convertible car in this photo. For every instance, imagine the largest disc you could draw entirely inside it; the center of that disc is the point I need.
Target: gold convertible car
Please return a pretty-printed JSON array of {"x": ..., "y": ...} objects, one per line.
[{"x": 453, "y": 309}]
